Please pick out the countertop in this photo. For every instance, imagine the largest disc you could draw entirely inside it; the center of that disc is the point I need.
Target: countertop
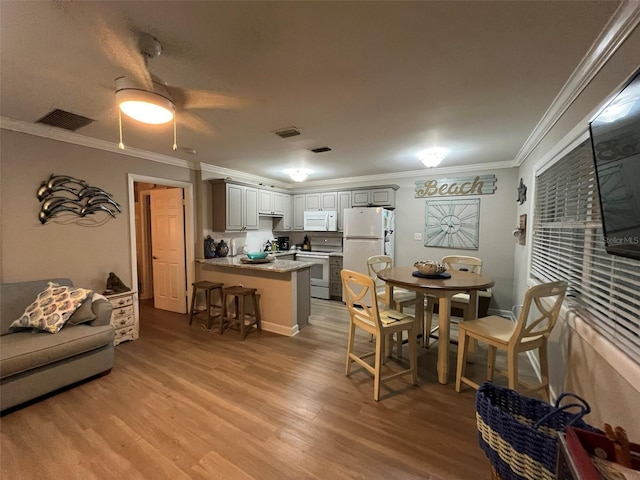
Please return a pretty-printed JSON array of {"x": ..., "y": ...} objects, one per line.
[{"x": 278, "y": 266}]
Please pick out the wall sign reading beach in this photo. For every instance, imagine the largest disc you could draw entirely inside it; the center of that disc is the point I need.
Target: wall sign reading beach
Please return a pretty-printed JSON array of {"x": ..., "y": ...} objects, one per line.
[
  {"x": 70, "y": 200},
  {"x": 476, "y": 185}
]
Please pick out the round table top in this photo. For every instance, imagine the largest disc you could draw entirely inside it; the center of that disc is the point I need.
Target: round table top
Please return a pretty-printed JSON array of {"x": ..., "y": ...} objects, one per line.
[{"x": 459, "y": 281}]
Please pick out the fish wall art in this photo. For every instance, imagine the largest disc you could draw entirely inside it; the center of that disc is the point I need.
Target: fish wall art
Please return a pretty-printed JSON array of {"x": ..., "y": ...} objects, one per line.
[{"x": 70, "y": 200}]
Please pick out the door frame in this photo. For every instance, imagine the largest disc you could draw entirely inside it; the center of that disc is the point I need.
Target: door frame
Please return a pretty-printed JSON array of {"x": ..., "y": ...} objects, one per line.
[{"x": 189, "y": 225}]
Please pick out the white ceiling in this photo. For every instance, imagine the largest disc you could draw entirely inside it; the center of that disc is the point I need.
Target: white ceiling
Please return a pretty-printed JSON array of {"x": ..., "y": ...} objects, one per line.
[{"x": 375, "y": 81}]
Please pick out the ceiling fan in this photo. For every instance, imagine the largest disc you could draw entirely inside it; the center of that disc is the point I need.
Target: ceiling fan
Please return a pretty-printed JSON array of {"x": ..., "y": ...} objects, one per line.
[{"x": 145, "y": 97}]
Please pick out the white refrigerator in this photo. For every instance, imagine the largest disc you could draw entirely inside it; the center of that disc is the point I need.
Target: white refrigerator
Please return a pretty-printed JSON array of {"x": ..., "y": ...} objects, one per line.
[{"x": 367, "y": 231}]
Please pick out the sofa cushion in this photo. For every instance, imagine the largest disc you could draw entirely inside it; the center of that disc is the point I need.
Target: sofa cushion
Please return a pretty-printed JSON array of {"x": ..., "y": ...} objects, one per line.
[
  {"x": 84, "y": 313},
  {"x": 51, "y": 308},
  {"x": 25, "y": 350}
]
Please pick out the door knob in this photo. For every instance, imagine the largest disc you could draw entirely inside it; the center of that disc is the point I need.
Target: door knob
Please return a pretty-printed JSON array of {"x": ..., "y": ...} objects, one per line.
[{"x": 154, "y": 257}]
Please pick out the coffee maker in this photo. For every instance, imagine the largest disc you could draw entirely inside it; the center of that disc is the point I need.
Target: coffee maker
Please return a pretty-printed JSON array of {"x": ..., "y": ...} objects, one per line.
[{"x": 283, "y": 243}]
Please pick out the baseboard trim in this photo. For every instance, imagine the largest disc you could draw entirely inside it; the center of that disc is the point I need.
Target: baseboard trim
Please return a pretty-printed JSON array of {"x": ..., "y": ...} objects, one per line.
[{"x": 280, "y": 329}]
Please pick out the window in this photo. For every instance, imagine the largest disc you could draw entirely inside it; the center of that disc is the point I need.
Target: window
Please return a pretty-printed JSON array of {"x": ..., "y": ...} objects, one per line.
[{"x": 568, "y": 245}]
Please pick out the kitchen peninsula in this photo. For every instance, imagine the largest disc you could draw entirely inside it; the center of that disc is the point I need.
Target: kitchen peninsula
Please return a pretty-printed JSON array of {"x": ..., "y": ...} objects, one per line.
[{"x": 283, "y": 288}]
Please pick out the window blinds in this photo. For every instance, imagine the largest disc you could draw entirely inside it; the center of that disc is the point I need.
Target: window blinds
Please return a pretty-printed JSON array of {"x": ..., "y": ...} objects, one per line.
[{"x": 568, "y": 245}]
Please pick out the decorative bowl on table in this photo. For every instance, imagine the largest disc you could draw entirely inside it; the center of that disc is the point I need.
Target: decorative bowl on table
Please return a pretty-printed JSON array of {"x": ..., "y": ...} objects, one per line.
[
  {"x": 257, "y": 255},
  {"x": 429, "y": 267}
]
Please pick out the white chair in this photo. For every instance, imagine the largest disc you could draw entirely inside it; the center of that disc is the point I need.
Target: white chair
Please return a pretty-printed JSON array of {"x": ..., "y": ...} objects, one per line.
[
  {"x": 459, "y": 300},
  {"x": 401, "y": 297},
  {"x": 542, "y": 304},
  {"x": 361, "y": 299}
]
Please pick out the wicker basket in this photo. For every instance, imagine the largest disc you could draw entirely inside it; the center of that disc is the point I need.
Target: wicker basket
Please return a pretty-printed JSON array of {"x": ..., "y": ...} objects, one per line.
[{"x": 519, "y": 434}]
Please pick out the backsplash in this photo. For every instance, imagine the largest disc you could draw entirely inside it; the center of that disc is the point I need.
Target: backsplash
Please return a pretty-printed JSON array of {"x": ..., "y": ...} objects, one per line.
[{"x": 254, "y": 240}]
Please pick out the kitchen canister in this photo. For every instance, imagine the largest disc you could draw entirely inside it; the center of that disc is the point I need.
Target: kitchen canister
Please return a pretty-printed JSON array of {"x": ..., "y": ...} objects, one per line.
[
  {"x": 223, "y": 249},
  {"x": 209, "y": 247}
]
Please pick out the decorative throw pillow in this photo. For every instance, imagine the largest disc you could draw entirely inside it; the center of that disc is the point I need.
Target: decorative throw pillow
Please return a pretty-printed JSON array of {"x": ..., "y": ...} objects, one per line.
[
  {"x": 84, "y": 313},
  {"x": 51, "y": 308}
]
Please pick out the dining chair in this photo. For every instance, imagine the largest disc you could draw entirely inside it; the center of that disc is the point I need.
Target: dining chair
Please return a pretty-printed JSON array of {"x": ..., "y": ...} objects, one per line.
[
  {"x": 361, "y": 299},
  {"x": 460, "y": 300},
  {"x": 401, "y": 297},
  {"x": 542, "y": 305}
]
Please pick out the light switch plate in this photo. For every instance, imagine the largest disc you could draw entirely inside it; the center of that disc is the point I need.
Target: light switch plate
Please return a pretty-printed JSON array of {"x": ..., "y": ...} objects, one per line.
[{"x": 417, "y": 236}]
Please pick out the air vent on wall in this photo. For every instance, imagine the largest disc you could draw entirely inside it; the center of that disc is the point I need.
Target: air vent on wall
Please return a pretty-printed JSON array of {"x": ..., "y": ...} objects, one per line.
[
  {"x": 67, "y": 120},
  {"x": 287, "y": 132},
  {"x": 320, "y": 149}
]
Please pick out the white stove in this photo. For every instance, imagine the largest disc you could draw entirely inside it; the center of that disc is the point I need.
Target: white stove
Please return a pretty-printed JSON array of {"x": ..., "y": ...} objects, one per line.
[{"x": 321, "y": 249}]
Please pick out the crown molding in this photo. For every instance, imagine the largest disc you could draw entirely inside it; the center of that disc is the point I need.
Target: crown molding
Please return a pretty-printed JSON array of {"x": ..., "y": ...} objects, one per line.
[
  {"x": 623, "y": 21},
  {"x": 54, "y": 133},
  {"x": 238, "y": 176},
  {"x": 385, "y": 178},
  {"x": 213, "y": 171}
]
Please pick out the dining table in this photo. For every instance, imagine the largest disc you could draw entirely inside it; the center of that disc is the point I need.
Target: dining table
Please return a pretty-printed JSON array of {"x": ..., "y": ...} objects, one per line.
[{"x": 457, "y": 281}]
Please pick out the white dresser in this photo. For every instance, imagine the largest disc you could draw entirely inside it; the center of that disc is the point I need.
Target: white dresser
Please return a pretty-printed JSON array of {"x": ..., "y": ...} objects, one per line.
[{"x": 124, "y": 316}]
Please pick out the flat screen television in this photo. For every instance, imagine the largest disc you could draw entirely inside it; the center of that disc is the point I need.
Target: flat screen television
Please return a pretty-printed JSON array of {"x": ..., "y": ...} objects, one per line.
[{"x": 615, "y": 139}]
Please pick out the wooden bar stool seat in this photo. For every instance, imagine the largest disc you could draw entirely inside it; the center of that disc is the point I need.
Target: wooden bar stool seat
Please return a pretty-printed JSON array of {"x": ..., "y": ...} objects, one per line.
[
  {"x": 246, "y": 320},
  {"x": 213, "y": 310}
]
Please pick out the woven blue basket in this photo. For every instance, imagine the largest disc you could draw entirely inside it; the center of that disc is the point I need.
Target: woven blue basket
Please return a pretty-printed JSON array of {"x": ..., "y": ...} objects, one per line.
[{"x": 519, "y": 434}]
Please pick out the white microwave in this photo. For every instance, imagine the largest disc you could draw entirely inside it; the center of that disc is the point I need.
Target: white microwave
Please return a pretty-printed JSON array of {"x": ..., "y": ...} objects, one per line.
[{"x": 321, "y": 221}]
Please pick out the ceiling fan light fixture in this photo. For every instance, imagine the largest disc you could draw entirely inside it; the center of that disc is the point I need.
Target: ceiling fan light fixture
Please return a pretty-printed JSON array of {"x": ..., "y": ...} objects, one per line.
[
  {"x": 152, "y": 106},
  {"x": 432, "y": 157},
  {"x": 145, "y": 107}
]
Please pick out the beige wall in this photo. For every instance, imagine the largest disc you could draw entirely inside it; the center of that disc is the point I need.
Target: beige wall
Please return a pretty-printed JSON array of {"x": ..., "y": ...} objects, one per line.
[
  {"x": 497, "y": 222},
  {"x": 586, "y": 367},
  {"x": 31, "y": 250}
]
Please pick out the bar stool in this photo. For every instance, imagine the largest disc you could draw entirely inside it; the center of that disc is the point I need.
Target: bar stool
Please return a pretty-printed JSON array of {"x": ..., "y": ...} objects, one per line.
[
  {"x": 209, "y": 289},
  {"x": 240, "y": 315}
]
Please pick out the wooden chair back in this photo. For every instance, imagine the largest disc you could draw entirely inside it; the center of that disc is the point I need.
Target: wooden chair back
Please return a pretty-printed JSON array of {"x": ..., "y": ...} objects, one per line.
[
  {"x": 361, "y": 299},
  {"x": 459, "y": 262},
  {"x": 542, "y": 303},
  {"x": 375, "y": 264}
]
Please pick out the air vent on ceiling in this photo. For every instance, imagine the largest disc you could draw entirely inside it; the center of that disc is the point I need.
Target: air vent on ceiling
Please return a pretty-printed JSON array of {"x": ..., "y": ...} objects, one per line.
[
  {"x": 67, "y": 120},
  {"x": 287, "y": 132},
  {"x": 321, "y": 150}
]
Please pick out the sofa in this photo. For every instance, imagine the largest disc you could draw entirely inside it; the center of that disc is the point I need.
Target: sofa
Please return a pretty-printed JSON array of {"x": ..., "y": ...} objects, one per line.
[{"x": 34, "y": 363}]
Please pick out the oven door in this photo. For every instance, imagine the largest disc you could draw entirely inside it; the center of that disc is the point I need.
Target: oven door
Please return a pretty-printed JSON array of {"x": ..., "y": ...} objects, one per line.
[{"x": 319, "y": 269}]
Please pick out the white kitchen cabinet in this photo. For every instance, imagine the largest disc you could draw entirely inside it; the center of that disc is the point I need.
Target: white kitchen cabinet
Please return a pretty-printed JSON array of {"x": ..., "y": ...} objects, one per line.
[
  {"x": 344, "y": 201},
  {"x": 265, "y": 201},
  {"x": 279, "y": 202},
  {"x": 321, "y": 201},
  {"x": 285, "y": 222},
  {"x": 271, "y": 203},
  {"x": 235, "y": 207},
  {"x": 298, "y": 211},
  {"x": 360, "y": 198},
  {"x": 374, "y": 197}
]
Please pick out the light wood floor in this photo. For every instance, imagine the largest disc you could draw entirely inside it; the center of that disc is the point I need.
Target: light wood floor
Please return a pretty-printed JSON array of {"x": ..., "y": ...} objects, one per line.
[{"x": 182, "y": 402}]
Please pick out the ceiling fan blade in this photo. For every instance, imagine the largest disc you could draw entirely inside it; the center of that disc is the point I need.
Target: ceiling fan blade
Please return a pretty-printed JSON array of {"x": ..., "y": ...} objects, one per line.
[
  {"x": 121, "y": 47},
  {"x": 195, "y": 99},
  {"x": 194, "y": 123}
]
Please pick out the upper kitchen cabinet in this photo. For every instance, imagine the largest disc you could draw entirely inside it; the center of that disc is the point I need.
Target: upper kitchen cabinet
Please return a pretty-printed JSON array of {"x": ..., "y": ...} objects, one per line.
[
  {"x": 285, "y": 222},
  {"x": 298, "y": 202},
  {"x": 271, "y": 203},
  {"x": 344, "y": 201},
  {"x": 374, "y": 197},
  {"x": 321, "y": 201},
  {"x": 235, "y": 207}
]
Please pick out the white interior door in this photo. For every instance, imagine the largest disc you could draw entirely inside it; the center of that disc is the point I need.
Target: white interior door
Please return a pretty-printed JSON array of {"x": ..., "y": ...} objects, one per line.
[{"x": 168, "y": 250}]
